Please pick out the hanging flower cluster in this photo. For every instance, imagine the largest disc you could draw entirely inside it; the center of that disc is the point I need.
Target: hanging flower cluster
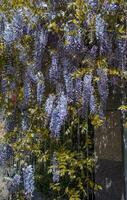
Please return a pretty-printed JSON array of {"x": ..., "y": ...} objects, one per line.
[
  {"x": 69, "y": 83},
  {"x": 73, "y": 41},
  {"x": 54, "y": 70},
  {"x": 40, "y": 43},
  {"x": 24, "y": 121},
  {"x": 40, "y": 88},
  {"x": 27, "y": 90},
  {"x": 93, "y": 3},
  {"x": 92, "y": 102},
  {"x": 59, "y": 115},
  {"x": 100, "y": 27},
  {"x": 103, "y": 85},
  {"x": 28, "y": 181},
  {"x": 87, "y": 90},
  {"x": 14, "y": 184},
  {"x": 5, "y": 153},
  {"x": 55, "y": 170},
  {"x": 49, "y": 105},
  {"x": 4, "y": 85},
  {"x": 2, "y": 155},
  {"x": 43, "y": 63},
  {"x": 16, "y": 180},
  {"x": 109, "y": 7}
]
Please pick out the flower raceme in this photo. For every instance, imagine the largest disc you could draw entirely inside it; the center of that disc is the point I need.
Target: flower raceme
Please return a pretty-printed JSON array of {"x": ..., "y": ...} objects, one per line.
[
  {"x": 59, "y": 115},
  {"x": 28, "y": 181}
]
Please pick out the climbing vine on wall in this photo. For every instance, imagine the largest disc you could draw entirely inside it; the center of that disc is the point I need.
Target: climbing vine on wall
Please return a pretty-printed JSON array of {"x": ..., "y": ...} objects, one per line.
[{"x": 59, "y": 61}]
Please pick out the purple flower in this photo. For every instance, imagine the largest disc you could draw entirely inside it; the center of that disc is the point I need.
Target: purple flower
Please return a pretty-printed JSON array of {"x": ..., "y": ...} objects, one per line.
[
  {"x": 103, "y": 85},
  {"x": 16, "y": 180},
  {"x": 23, "y": 57},
  {"x": 32, "y": 75},
  {"x": 73, "y": 41},
  {"x": 40, "y": 88},
  {"x": 93, "y": 3},
  {"x": 100, "y": 27},
  {"x": 2, "y": 25},
  {"x": 102, "y": 35},
  {"x": 121, "y": 55},
  {"x": 28, "y": 181},
  {"x": 12, "y": 85},
  {"x": 2, "y": 154},
  {"x": 40, "y": 92},
  {"x": 113, "y": 7},
  {"x": 89, "y": 101},
  {"x": 78, "y": 89},
  {"x": 49, "y": 104},
  {"x": 93, "y": 106},
  {"x": 25, "y": 30},
  {"x": 41, "y": 4},
  {"x": 27, "y": 89},
  {"x": 93, "y": 52},
  {"x": 69, "y": 84},
  {"x": 8, "y": 33},
  {"x": 110, "y": 7},
  {"x": 24, "y": 121},
  {"x": 55, "y": 170},
  {"x": 14, "y": 184},
  {"x": 10, "y": 123},
  {"x": 5, "y": 153},
  {"x": 40, "y": 43},
  {"x": 54, "y": 71},
  {"x": 4, "y": 85},
  {"x": 87, "y": 87},
  {"x": 58, "y": 115}
]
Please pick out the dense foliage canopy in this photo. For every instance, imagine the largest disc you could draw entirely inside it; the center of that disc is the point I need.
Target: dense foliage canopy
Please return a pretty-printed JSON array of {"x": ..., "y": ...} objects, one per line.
[{"x": 59, "y": 60}]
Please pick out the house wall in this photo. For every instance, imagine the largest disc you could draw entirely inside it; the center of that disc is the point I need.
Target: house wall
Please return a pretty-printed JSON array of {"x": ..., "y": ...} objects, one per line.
[{"x": 109, "y": 151}]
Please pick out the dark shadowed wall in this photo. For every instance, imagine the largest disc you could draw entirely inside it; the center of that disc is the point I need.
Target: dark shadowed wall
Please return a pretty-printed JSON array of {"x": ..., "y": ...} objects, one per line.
[{"x": 109, "y": 150}]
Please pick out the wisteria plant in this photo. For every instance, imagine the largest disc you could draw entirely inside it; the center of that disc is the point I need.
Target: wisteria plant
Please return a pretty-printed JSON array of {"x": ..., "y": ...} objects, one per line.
[{"x": 59, "y": 60}]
